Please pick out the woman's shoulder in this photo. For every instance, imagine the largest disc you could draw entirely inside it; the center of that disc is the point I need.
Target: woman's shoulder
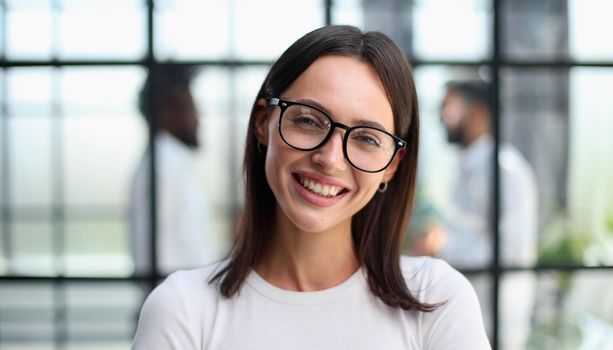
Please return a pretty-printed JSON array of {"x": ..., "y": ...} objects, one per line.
[
  {"x": 192, "y": 287},
  {"x": 433, "y": 280},
  {"x": 456, "y": 323},
  {"x": 176, "y": 311},
  {"x": 193, "y": 280},
  {"x": 426, "y": 267}
]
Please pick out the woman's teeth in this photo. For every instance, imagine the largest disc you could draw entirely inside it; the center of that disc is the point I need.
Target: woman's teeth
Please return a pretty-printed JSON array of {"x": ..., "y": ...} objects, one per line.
[{"x": 319, "y": 188}]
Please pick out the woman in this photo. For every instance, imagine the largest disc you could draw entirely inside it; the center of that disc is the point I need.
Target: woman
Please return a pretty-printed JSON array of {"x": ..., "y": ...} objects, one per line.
[{"x": 330, "y": 164}]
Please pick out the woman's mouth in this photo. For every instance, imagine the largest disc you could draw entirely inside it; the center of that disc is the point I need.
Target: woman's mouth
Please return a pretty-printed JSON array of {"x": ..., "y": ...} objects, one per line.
[{"x": 318, "y": 188}]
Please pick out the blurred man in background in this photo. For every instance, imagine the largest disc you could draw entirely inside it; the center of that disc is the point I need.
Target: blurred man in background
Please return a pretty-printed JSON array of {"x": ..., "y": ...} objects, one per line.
[
  {"x": 464, "y": 235},
  {"x": 183, "y": 215}
]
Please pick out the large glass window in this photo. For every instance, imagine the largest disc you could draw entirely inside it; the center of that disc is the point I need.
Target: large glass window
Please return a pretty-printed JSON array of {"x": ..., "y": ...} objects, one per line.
[{"x": 72, "y": 139}]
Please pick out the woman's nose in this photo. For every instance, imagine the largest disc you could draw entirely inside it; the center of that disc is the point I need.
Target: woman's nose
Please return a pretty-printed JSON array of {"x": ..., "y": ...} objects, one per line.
[{"x": 330, "y": 156}]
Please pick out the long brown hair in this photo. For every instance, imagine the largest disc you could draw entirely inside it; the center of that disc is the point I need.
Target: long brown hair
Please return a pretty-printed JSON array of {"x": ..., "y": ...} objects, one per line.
[{"x": 378, "y": 229}]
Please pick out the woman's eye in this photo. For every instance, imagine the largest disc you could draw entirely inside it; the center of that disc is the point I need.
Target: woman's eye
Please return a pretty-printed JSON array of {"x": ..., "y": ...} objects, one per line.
[
  {"x": 307, "y": 121},
  {"x": 367, "y": 140}
]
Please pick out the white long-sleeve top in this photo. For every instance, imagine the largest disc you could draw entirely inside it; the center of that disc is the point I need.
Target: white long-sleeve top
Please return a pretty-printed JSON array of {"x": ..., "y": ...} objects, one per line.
[{"x": 187, "y": 313}]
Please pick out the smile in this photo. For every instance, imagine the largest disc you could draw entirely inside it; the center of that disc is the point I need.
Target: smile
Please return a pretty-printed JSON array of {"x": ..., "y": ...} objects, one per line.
[{"x": 324, "y": 190}]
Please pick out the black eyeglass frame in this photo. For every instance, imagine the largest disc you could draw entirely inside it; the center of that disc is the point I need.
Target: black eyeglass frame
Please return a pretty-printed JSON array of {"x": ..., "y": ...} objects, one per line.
[{"x": 284, "y": 104}]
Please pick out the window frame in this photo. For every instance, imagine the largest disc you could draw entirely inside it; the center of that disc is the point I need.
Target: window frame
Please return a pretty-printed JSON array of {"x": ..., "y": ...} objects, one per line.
[{"x": 496, "y": 63}]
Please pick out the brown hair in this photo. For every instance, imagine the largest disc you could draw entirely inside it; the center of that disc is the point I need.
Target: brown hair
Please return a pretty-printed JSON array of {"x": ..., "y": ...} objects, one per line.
[{"x": 379, "y": 228}]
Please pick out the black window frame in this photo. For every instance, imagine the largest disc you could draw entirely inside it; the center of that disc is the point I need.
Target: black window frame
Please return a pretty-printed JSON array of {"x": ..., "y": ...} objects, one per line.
[{"x": 497, "y": 62}]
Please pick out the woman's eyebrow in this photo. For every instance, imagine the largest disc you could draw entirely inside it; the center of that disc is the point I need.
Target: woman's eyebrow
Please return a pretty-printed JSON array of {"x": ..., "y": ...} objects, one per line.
[
  {"x": 314, "y": 103},
  {"x": 359, "y": 122},
  {"x": 363, "y": 122}
]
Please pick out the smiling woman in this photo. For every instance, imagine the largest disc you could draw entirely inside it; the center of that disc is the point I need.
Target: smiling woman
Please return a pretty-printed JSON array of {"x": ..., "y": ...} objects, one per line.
[{"x": 330, "y": 162}]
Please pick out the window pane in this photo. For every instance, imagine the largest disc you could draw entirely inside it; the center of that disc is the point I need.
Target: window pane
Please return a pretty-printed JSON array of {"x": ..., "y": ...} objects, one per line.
[
  {"x": 590, "y": 187},
  {"x": 101, "y": 315},
  {"x": 3, "y": 167},
  {"x": 100, "y": 91},
  {"x": 30, "y": 163},
  {"x": 439, "y": 29},
  {"x": 578, "y": 317},
  {"x": 534, "y": 29},
  {"x": 255, "y": 38},
  {"x": 29, "y": 136},
  {"x": 518, "y": 291},
  {"x": 103, "y": 135},
  {"x": 533, "y": 115},
  {"x": 97, "y": 344},
  {"x": 560, "y": 121},
  {"x": 32, "y": 249},
  {"x": 80, "y": 4},
  {"x": 29, "y": 30},
  {"x": 3, "y": 249},
  {"x": 100, "y": 155},
  {"x": 447, "y": 29},
  {"x": 482, "y": 283},
  {"x": 192, "y": 29},
  {"x": 102, "y": 29},
  {"x": 97, "y": 248},
  {"x": 3, "y": 142},
  {"x": 589, "y": 29},
  {"x": 27, "y": 315},
  {"x": 29, "y": 91},
  {"x": 535, "y": 122},
  {"x": 3, "y": 25}
]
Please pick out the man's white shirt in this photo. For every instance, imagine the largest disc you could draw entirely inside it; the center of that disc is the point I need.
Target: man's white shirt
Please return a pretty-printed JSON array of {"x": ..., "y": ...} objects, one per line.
[{"x": 185, "y": 238}]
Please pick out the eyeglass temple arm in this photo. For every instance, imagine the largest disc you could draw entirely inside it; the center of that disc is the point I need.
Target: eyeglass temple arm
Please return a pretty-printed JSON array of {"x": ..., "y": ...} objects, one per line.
[{"x": 273, "y": 101}]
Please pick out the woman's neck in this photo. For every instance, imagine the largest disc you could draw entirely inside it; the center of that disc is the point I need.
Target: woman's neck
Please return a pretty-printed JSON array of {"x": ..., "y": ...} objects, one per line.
[{"x": 308, "y": 261}]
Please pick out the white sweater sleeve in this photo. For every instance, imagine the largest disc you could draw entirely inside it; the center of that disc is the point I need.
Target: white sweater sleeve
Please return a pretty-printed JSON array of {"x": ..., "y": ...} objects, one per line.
[{"x": 167, "y": 319}]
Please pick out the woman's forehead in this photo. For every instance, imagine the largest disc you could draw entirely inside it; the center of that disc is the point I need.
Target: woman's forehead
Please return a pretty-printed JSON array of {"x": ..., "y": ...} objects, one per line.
[{"x": 349, "y": 89}]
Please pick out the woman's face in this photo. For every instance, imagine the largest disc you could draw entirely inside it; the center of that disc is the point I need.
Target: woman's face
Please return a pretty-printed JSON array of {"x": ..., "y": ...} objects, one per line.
[{"x": 351, "y": 92}]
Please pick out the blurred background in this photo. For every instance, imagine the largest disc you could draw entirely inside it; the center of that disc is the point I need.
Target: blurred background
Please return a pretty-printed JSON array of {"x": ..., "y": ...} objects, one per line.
[{"x": 72, "y": 137}]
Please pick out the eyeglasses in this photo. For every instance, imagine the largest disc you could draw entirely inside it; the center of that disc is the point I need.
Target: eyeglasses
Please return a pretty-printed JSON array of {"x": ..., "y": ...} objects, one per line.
[{"x": 307, "y": 128}]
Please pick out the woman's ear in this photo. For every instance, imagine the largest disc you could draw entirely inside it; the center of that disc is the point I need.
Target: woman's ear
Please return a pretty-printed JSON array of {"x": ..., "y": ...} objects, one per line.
[
  {"x": 391, "y": 169},
  {"x": 262, "y": 118}
]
